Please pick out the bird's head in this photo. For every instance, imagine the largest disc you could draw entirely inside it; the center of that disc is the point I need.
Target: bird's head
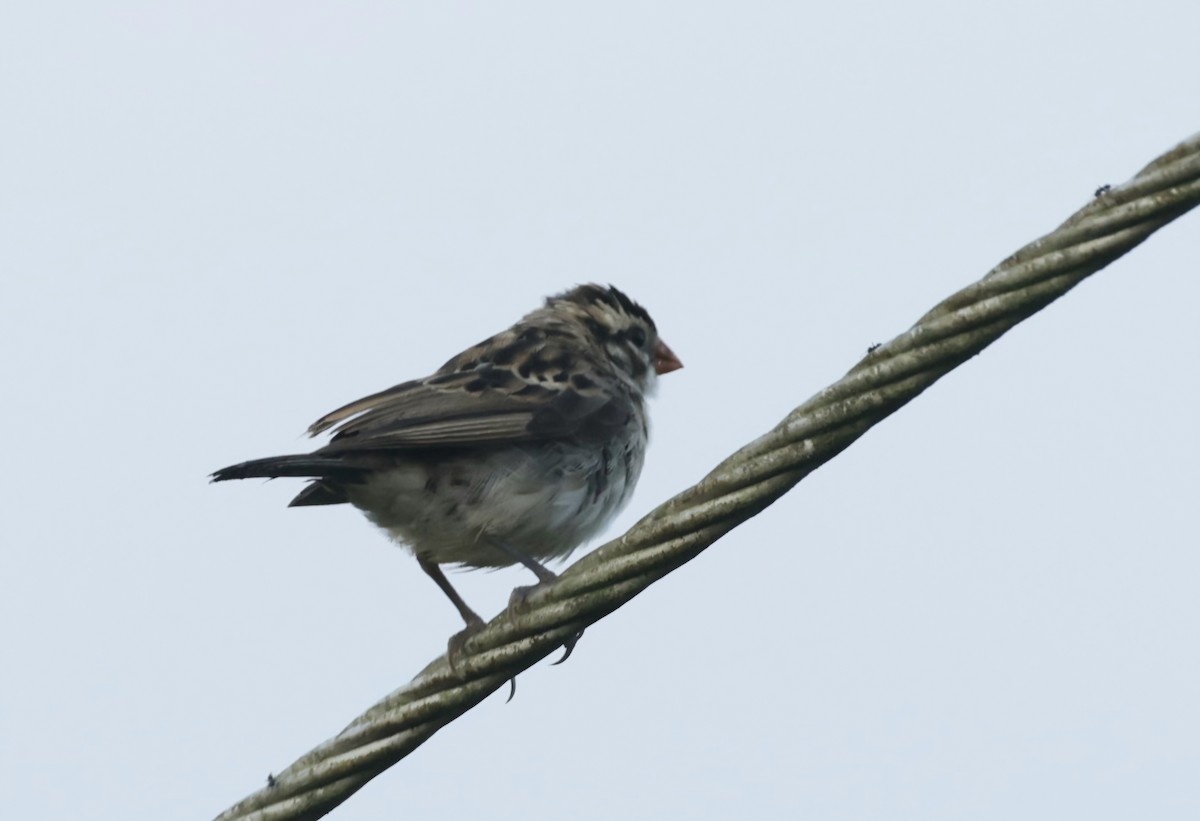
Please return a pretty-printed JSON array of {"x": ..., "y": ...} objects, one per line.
[{"x": 622, "y": 327}]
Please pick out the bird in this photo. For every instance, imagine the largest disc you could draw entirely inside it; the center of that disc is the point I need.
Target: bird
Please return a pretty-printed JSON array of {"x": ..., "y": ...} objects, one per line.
[{"x": 516, "y": 451}]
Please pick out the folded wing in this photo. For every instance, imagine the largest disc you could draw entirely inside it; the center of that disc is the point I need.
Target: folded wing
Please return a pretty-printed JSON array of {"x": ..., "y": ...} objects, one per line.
[{"x": 488, "y": 404}]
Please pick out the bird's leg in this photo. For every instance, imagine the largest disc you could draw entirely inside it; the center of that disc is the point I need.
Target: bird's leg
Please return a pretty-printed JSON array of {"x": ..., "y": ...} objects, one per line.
[
  {"x": 431, "y": 568},
  {"x": 543, "y": 573},
  {"x": 454, "y": 650},
  {"x": 518, "y": 600}
]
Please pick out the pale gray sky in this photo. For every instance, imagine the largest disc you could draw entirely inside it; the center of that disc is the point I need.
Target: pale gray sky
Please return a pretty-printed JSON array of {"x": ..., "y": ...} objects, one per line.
[{"x": 220, "y": 220}]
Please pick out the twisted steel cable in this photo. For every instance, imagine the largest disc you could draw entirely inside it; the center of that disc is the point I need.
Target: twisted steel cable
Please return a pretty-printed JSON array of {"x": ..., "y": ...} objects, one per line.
[{"x": 890, "y": 376}]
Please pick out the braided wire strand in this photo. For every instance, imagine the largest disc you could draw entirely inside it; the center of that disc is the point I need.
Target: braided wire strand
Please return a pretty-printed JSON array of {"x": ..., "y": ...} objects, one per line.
[{"x": 890, "y": 376}]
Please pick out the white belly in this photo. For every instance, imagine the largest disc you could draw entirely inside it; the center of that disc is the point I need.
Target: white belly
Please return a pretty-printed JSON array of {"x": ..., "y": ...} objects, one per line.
[{"x": 544, "y": 499}]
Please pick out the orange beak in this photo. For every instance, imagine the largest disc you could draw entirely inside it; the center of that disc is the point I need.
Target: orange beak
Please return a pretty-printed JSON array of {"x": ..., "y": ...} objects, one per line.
[{"x": 665, "y": 359}]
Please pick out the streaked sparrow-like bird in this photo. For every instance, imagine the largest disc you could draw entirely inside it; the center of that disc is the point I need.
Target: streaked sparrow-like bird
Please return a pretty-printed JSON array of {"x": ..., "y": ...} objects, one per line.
[{"x": 517, "y": 450}]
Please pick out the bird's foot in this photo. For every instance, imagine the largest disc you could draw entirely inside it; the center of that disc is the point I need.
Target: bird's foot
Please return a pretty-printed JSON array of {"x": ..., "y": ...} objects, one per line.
[
  {"x": 518, "y": 602},
  {"x": 456, "y": 648}
]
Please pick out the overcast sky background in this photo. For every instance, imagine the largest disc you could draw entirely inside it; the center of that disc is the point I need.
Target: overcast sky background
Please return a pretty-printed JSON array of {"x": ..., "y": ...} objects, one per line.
[{"x": 220, "y": 220}]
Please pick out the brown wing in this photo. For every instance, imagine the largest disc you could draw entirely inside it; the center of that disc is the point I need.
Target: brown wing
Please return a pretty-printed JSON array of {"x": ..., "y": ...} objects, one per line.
[{"x": 540, "y": 399}]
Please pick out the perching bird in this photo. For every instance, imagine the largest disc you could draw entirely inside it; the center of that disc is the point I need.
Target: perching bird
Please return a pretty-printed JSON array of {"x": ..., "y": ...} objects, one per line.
[{"x": 519, "y": 449}]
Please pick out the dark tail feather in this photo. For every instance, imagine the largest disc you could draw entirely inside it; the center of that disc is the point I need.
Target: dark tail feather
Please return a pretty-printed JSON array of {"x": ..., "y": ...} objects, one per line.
[
  {"x": 302, "y": 465},
  {"x": 320, "y": 492}
]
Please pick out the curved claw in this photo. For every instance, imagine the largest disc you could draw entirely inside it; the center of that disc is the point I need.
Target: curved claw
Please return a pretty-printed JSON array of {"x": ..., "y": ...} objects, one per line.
[
  {"x": 518, "y": 602},
  {"x": 568, "y": 648},
  {"x": 512, "y": 689}
]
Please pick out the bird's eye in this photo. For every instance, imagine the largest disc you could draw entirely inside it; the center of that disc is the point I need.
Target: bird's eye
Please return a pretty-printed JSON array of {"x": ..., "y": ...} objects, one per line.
[{"x": 637, "y": 335}]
